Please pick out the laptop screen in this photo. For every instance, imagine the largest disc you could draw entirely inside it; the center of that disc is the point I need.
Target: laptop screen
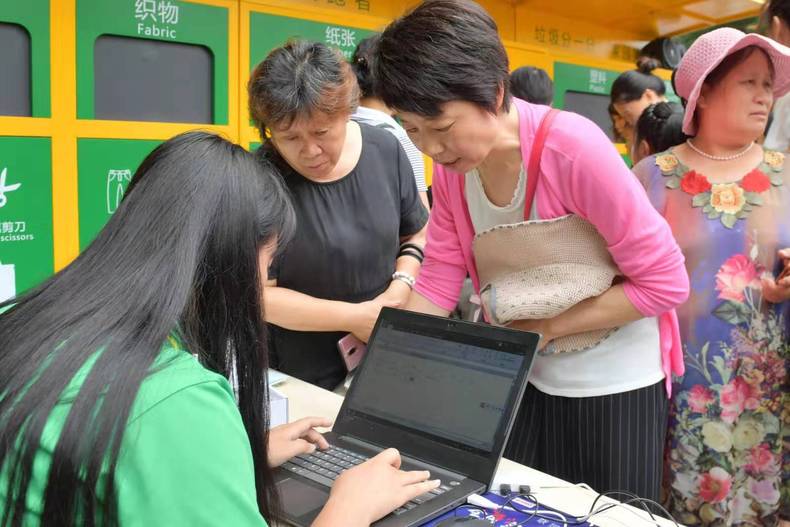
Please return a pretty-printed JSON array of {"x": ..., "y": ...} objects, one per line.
[
  {"x": 457, "y": 386},
  {"x": 442, "y": 387}
]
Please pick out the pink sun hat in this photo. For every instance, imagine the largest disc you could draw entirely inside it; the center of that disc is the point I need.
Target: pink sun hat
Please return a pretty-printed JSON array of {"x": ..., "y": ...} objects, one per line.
[{"x": 709, "y": 50}]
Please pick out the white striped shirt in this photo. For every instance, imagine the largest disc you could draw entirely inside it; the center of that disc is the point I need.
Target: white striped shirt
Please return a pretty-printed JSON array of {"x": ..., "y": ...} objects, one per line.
[{"x": 382, "y": 120}]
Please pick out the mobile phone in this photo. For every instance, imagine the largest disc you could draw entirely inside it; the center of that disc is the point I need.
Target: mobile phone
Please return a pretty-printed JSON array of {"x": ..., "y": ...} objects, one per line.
[{"x": 351, "y": 350}]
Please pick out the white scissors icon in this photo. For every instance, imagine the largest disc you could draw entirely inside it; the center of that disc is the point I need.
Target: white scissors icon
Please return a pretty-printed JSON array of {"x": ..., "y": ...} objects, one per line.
[{"x": 4, "y": 188}]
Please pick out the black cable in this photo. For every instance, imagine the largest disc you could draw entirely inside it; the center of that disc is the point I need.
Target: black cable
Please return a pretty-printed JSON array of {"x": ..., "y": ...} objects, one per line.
[
  {"x": 623, "y": 493},
  {"x": 469, "y": 506},
  {"x": 575, "y": 520},
  {"x": 641, "y": 501},
  {"x": 534, "y": 513}
]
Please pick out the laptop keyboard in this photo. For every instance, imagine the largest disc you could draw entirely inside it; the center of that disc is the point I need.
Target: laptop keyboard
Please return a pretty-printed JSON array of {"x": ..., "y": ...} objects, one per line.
[{"x": 324, "y": 467}]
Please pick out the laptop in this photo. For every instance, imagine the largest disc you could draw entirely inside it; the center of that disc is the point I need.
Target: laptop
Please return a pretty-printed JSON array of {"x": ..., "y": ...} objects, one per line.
[{"x": 443, "y": 392}]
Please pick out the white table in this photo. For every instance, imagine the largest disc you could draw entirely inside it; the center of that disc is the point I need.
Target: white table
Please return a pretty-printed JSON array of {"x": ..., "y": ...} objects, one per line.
[{"x": 305, "y": 399}]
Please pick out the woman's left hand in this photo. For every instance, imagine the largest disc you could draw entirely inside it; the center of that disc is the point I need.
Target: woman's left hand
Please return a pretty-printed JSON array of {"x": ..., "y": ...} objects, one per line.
[
  {"x": 293, "y": 439},
  {"x": 536, "y": 326},
  {"x": 777, "y": 291},
  {"x": 397, "y": 292}
]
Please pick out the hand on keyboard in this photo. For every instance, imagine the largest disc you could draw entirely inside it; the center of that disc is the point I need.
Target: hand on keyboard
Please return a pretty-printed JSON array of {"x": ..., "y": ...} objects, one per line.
[
  {"x": 369, "y": 491},
  {"x": 293, "y": 439}
]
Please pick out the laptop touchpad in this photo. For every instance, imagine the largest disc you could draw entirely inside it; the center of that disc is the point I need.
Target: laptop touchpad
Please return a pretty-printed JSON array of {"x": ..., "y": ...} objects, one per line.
[{"x": 299, "y": 498}]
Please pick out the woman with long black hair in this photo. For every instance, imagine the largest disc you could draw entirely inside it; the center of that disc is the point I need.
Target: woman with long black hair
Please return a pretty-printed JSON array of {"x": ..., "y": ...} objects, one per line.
[{"x": 115, "y": 405}]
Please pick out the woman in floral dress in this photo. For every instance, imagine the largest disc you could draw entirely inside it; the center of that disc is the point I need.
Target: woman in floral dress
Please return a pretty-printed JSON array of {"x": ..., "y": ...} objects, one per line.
[{"x": 728, "y": 203}]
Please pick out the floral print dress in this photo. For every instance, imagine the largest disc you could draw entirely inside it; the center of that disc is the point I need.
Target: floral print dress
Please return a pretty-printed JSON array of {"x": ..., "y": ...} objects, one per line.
[{"x": 727, "y": 460}]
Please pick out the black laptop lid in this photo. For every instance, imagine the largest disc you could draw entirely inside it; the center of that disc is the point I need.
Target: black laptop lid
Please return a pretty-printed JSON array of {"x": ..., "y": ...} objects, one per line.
[{"x": 439, "y": 390}]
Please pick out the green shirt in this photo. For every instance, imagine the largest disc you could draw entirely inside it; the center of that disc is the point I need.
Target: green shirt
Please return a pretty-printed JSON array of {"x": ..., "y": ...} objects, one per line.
[{"x": 185, "y": 457}]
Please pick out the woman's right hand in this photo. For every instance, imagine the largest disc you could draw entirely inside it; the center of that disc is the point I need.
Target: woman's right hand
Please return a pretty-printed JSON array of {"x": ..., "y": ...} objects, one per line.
[
  {"x": 365, "y": 316},
  {"x": 777, "y": 290},
  {"x": 371, "y": 490}
]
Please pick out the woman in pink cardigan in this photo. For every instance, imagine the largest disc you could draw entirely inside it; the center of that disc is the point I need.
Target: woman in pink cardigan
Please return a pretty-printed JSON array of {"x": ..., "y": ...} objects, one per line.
[{"x": 598, "y": 415}]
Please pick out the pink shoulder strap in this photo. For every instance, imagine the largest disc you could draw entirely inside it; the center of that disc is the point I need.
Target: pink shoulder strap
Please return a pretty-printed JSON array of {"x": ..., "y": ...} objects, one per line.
[{"x": 533, "y": 168}]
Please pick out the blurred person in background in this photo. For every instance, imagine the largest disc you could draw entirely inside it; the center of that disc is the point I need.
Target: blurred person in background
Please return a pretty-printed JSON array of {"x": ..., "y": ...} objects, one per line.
[
  {"x": 532, "y": 85},
  {"x": 659, "y": 128},
  {"x": 775, "y": 21},
  {"x": 632, "y": 92}
]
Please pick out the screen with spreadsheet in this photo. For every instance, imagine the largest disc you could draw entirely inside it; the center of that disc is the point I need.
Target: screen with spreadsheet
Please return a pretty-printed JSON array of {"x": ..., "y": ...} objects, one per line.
[{"x": 448, "y": 388}]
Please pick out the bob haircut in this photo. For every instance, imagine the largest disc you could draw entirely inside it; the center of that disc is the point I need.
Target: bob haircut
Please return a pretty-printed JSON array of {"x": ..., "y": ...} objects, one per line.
[{"x": 442, "y": 51}]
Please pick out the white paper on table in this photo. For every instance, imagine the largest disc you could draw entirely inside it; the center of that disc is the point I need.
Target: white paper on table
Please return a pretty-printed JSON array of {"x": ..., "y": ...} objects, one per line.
[
  {"x": 278, "y": 408},
  {"x": 278, "y": 402},
  {"x": 276, "y": 377}
]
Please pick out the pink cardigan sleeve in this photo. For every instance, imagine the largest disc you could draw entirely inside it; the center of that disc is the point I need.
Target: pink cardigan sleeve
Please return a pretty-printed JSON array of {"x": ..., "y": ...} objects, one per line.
[
  {"x": 444, "y": 269},
  {"x": 588, "y": 177}
]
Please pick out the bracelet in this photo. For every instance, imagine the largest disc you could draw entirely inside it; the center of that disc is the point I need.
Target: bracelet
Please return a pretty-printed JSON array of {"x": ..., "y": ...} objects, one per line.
[
  {"x": 405, "y": 278},
  {"x": 412, "y": 246},
  {"x": 411, "y": 253}
]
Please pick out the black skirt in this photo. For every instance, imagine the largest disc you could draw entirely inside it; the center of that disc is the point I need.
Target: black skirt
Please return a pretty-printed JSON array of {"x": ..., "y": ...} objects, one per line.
[{"x": 611, "y": 442}]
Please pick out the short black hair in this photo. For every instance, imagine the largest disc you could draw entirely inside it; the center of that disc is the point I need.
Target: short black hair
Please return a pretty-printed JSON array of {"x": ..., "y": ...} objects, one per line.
[
  {"x": 661, "y": 126},
  {"x": 532, "y": 84},
  {"x": 297, "y": 80},
  {"x": 632, "y": 84},
  {"x": 362, "y": 64},
  {"x": 442, "y": 51}
]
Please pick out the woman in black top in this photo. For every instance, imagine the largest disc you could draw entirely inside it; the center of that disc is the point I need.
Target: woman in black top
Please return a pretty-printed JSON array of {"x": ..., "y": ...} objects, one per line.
[{"x": 356, "y": 204}]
